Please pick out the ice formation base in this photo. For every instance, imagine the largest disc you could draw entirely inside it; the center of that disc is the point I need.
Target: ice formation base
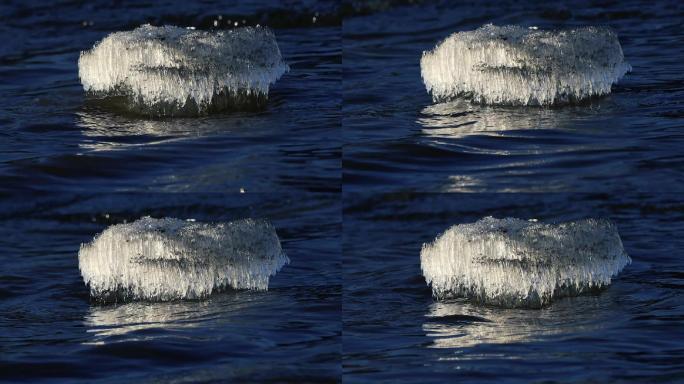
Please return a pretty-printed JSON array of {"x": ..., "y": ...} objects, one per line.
[
  {"x": 169, "y": 259},
  {"x": 171, "y": 71},
  {"x": 512, "y": 65},
  {"x": 517, "y": 263}
]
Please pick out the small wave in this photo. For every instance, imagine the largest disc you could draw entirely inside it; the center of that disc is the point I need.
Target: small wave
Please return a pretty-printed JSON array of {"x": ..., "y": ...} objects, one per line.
[
  {"x": 171, "y": 71},
  {"x": 512, "y": 65},
  {"x": 517, "y": 263},
  {"x": 169, "y": 259}
]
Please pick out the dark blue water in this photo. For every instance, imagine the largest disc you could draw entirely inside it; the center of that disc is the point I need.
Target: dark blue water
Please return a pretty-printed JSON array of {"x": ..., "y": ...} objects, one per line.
[
  {"x": 395, "y": 332},
  {"x": 51, "y": 139},
  {"x": 356, "y": 167},
  {"x": 50, "y": 330},
  {"x": 405, "y": 158},
  {"x": 396, "y": 139},
  {"x": 69, "y": 169}
]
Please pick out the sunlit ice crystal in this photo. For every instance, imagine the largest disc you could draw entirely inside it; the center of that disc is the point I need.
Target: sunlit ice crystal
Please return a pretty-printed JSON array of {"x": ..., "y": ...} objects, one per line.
[
  {"x": 169, "y": 259},
  {"x": 512, "y": 65},
  {"x": 517, "y": 263},
  {"x": 172, "y": 71}
]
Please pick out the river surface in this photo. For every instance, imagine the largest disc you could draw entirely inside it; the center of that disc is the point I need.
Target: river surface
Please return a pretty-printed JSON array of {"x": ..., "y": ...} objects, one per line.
[
  {"x": 393, "y": 331},
  {"x": 412, "y": 168},
  {"x": 356, "y": 167},
  {"x": 49, "y": 329},
  {"x": 69, "y": 169},
  {"x": 398, "y": 139},
  {"x": 52, "y": 138}
]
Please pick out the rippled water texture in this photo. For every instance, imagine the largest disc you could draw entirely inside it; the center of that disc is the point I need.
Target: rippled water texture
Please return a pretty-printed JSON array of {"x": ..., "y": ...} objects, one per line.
[
  {"x": 62, "y": 158},
  {"x": 397, "y": 139},
  {"x": 356, "y": 167},
  {"x": 52, "y": 138},
  {"x": 50, "y": 329},
  {"x": 394, "y": 331}
]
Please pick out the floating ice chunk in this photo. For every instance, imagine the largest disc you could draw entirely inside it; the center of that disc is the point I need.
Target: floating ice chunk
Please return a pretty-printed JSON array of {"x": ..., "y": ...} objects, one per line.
[
  {"x": 167, "y": 71},
  {"x": 512, "y": 65},
  {"x": 516, "y": 263},
  {"x": 168, "y": 259}
]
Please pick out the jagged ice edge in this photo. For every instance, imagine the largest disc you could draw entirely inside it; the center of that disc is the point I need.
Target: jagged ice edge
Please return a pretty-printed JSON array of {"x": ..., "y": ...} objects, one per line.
[
  {"x": 517, "y": 263},
  {"x": 512, "y": 65},
  {"x": 171, "y": 66},
  {"x": 169, "y": 259}
]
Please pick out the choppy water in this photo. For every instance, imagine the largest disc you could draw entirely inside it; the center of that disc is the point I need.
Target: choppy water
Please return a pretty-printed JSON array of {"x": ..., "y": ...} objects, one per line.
[
  {"x": 396, "y": 139},
  {"x": 356, "y": 167},
  {"x": 64, "y": 163},
  {"x": 404, "y": 157},
  {"x": 395, "y": 332},
  {"x": 52, "y": 139},
  {"x": 49, "y": 328}
]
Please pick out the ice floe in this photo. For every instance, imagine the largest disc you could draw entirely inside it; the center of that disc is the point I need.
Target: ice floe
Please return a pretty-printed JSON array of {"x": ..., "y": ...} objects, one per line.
[
  {"x": 169, "y": 259},
  {"x": 172, "y": 71},
  {"x": 512, "y": 65},
  {"x": 517, "y": 263}
]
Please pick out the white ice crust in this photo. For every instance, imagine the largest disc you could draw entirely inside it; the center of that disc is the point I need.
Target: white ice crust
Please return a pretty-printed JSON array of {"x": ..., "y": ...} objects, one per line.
[
  {"x": 177, "y": 71},
  {"x": 512, "y": 65},
  {"x": 169, "y": 259},
  {"x": 517, "y": 263}
]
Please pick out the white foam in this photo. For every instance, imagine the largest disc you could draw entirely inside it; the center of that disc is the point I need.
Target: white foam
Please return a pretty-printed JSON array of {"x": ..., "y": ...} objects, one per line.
[
  {"x": 169, "y": 259},
  {"x": 517, "y": 263},
  {"x": 512, "y": 65},
  {"x": 177, "y": 71}
]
